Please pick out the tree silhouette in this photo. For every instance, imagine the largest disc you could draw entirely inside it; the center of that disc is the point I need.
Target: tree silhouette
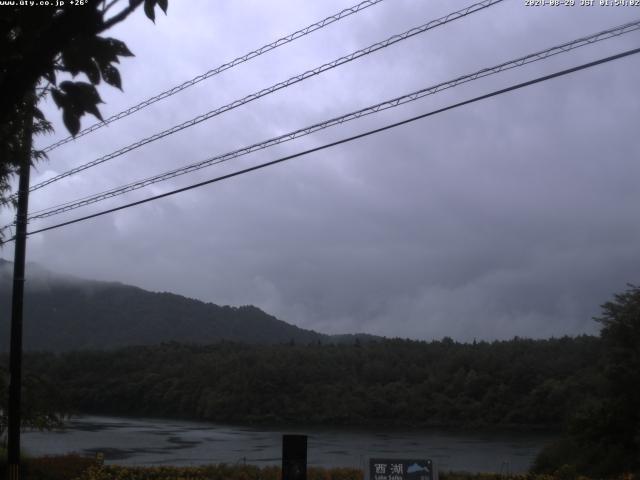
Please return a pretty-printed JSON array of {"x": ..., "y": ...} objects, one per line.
[
  {"x": 617, "y": 429},
  {"x": 37, "y": 44},
  {"x": 603, "y": 437},
  {"x": 41, "y": 43}
]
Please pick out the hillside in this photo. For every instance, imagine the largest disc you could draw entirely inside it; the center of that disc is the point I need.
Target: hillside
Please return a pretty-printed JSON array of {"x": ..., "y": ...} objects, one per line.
[{"x": 66, "y": 313}]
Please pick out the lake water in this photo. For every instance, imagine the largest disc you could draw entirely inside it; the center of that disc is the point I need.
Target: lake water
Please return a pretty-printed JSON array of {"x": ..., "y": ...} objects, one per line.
[{"x": 129, "y": 441}]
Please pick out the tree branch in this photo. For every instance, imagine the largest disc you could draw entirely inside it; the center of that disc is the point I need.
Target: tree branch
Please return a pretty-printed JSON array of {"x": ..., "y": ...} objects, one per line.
[
  {"x": 124, "y": 13},
  {"x": 106, "y": 7}
]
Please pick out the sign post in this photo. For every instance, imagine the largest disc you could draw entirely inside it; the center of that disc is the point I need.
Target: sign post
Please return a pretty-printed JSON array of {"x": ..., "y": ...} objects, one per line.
[
  {"x": 294, "y": 457},
  {"x": 400, "y": 469}
]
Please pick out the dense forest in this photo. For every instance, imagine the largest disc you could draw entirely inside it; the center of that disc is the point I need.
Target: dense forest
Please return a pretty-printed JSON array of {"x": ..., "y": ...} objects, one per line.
[{"x": 517, "y": 383}]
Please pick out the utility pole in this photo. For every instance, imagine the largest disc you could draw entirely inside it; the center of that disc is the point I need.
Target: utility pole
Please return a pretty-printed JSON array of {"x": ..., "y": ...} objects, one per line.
[{"x": 15, "y": 352}]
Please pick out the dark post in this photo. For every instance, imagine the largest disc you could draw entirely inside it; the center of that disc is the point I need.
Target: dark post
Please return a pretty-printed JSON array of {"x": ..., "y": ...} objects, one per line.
[
  {"x": 15, "y": 352},
  {"x": 294, "y": 457}
]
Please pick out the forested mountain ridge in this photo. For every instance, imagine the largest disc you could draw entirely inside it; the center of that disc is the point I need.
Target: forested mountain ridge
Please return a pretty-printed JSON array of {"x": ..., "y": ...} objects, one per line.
[
  {"x": 516, "y": 383},
  {"x": 65, "y": 313}
]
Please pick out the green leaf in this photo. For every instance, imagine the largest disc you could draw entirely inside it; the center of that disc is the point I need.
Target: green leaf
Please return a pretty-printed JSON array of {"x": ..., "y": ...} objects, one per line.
[
  {"x": 58, "y": 97},
  {"x": 71, "y": 121},
  {"x": 83, "y": 58},
  {"x": 149, "y": 9},
  {"x": 92, "y": 72},
  {"x": 111, "y": 75},
  {"x": 82, "y": 97},
  {"x": 104, "y": 51},
  {"x": 163, "y": 4},
  {"x": 93, "y": 110},
  {"x": 119, "y": 47}
]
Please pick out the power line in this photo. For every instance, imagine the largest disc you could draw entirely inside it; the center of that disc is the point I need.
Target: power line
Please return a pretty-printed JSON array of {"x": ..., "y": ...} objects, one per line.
[
  {"x": 278, "y": 86},
  {"x": 345, "y": 140},
  {"x": 219, "y": 69},
  {"x": 530, "y": 58}
]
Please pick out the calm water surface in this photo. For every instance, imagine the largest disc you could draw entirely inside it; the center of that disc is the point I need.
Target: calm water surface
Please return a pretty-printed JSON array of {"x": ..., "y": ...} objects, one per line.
[{"x": 129, "y": 441}]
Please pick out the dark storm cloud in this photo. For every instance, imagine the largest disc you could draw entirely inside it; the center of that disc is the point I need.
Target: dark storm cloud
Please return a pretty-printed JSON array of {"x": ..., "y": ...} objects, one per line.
[{"x": 513, "y": 216}]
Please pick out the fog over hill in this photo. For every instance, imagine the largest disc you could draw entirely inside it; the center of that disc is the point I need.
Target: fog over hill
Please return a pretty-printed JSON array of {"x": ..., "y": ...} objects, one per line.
[{"x": 63, "y": 313}]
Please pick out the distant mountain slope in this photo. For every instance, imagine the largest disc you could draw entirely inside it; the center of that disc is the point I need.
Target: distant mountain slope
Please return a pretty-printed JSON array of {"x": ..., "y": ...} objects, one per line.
[{"x": 66, "y": 313}]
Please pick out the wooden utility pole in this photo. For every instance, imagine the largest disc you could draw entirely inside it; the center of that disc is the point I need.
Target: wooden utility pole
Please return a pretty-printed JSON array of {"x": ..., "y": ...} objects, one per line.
[{"x": 15, "y": 352}]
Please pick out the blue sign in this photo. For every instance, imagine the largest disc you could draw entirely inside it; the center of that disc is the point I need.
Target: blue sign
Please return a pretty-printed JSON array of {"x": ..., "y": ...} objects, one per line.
[{"x": 400, "y": 469}]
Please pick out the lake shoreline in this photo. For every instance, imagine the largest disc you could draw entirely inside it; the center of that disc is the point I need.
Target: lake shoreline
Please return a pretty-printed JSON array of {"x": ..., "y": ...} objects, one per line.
[
  {"x": 159, "y": 442},
  {"x": 550, "y": 430}
]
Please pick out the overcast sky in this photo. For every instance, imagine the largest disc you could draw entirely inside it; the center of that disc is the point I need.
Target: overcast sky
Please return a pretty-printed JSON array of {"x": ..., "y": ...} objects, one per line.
[{"x": 517, "y": 215}]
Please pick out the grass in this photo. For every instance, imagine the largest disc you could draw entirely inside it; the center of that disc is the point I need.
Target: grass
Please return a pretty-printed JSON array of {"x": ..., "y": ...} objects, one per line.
[
  {"x": 62, "y": 467},
  {"x": 76, "y": 467}
]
